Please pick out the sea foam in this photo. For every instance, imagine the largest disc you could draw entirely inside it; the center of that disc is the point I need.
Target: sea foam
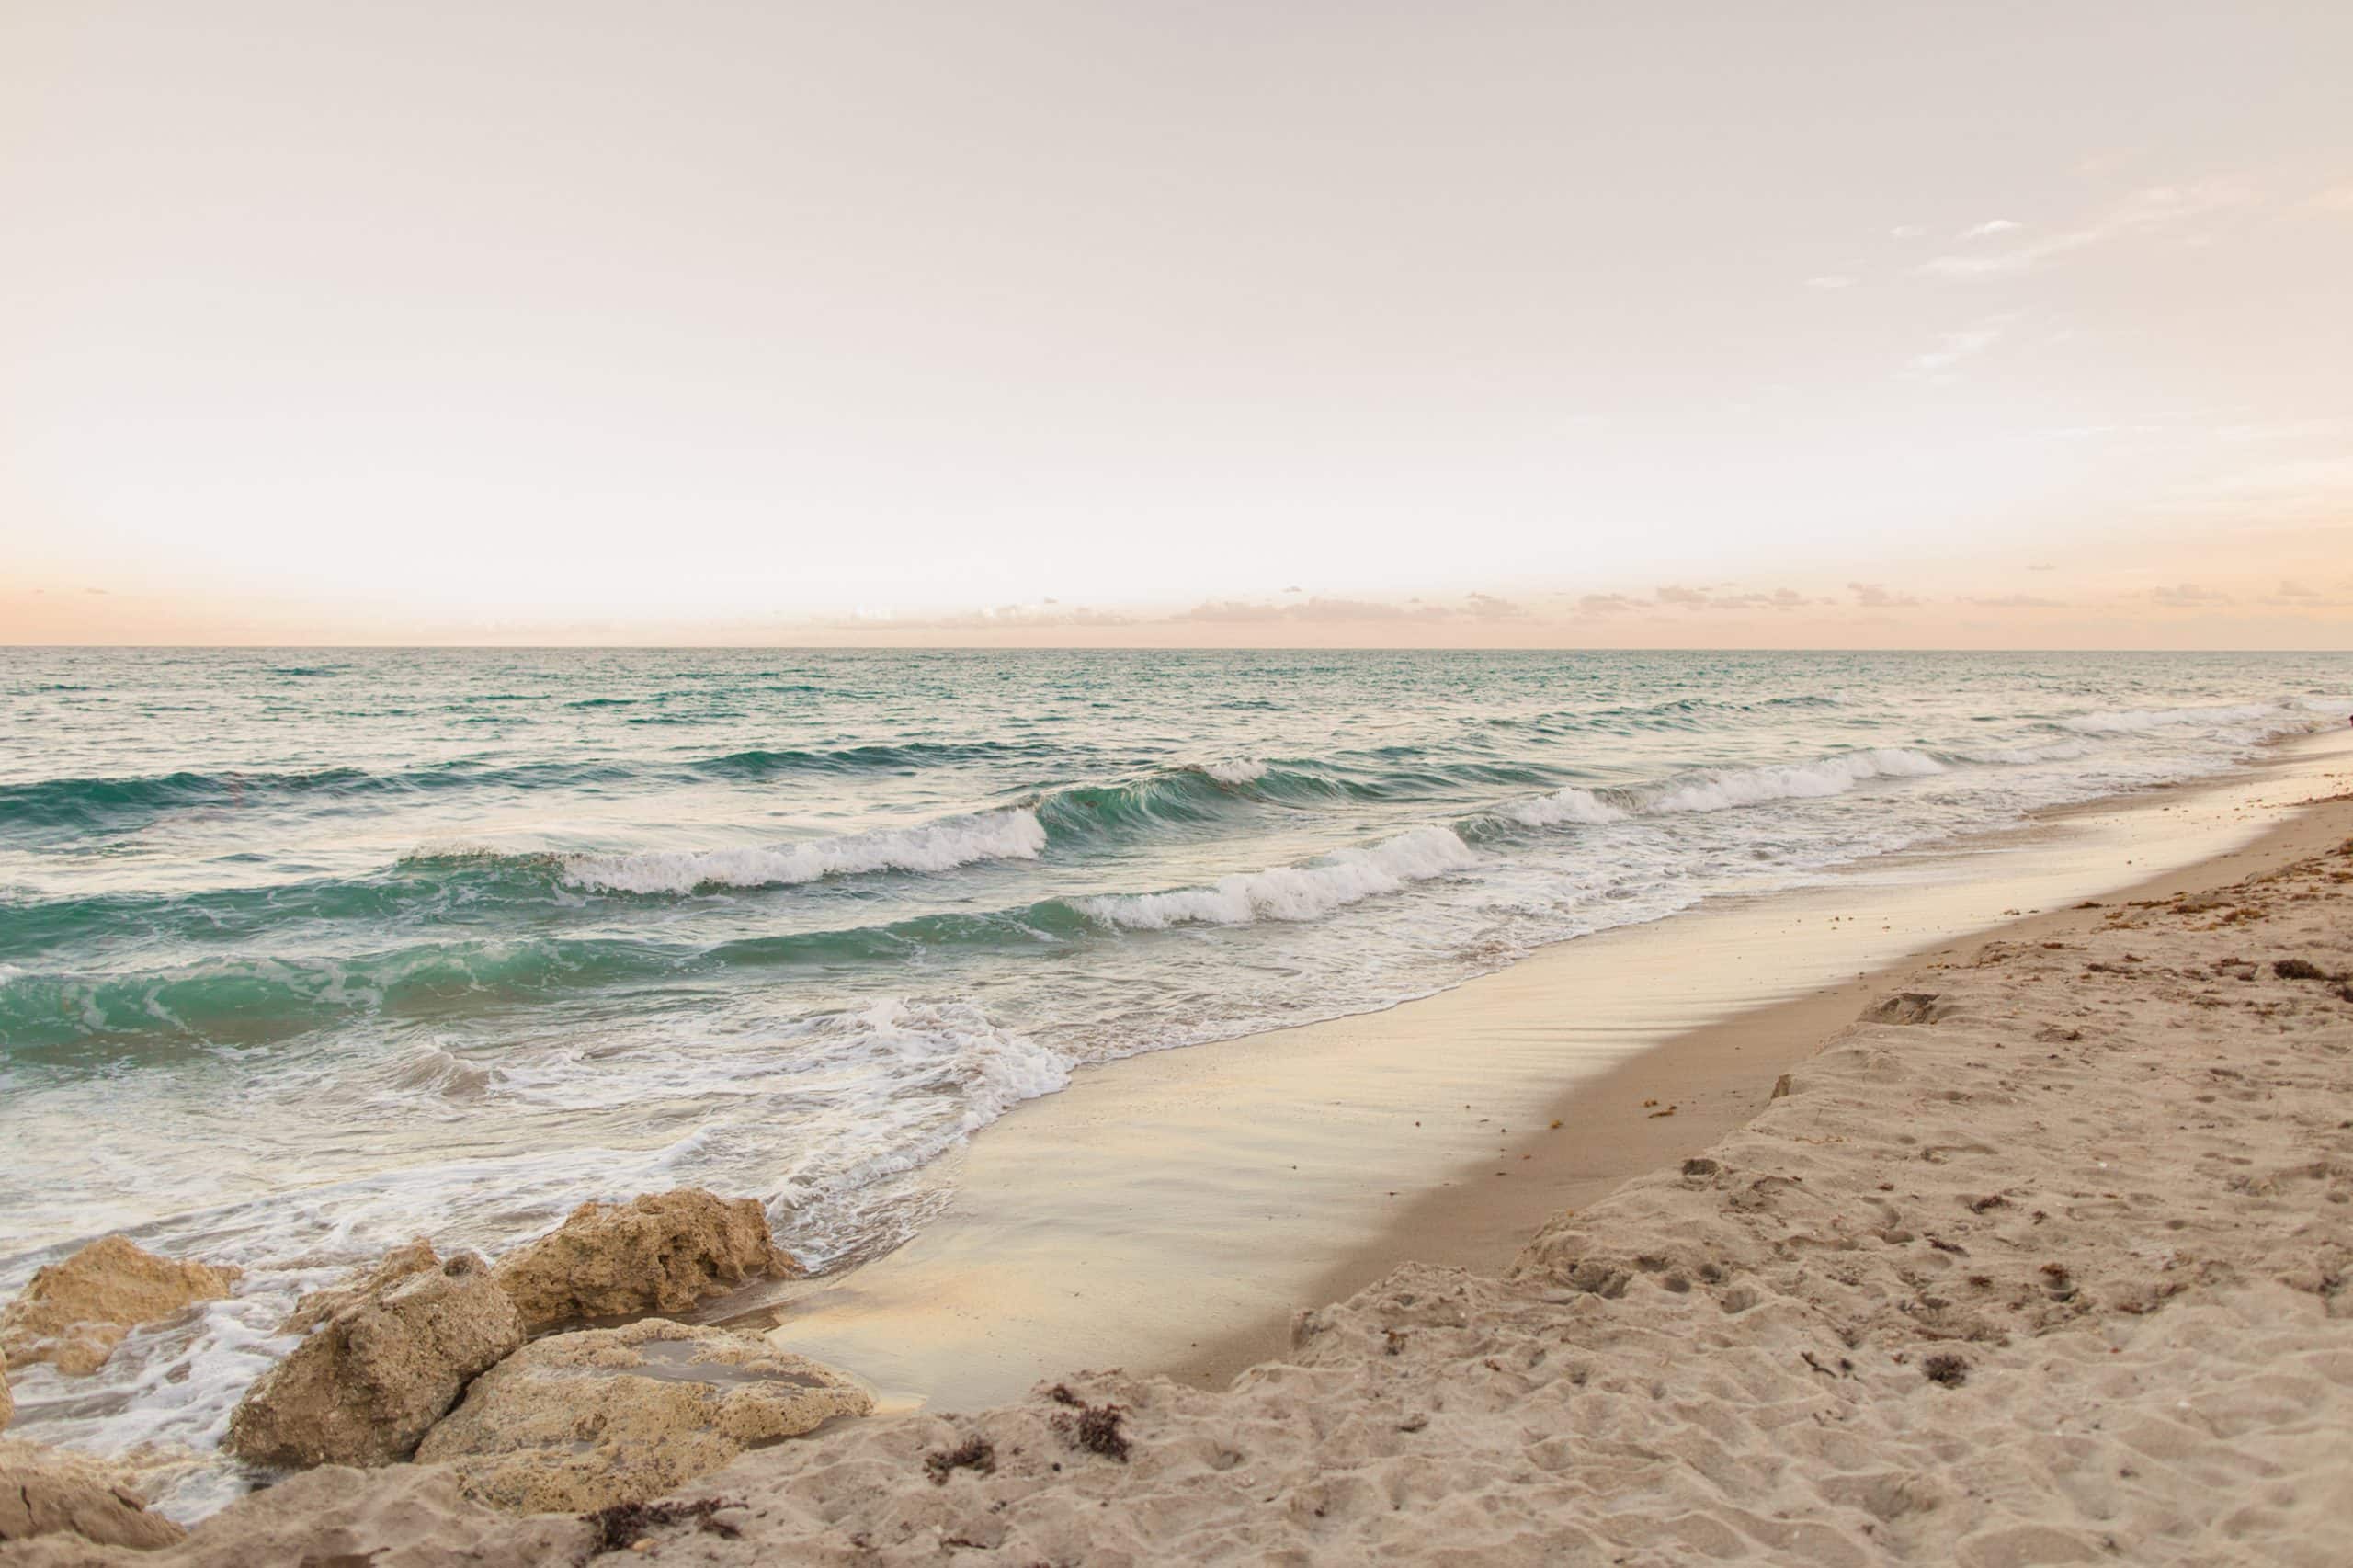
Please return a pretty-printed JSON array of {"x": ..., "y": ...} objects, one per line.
[
  {"x": 1293, "y": 893},
  {"x": 1807, "y": 780},
  {"x": 2135, "y": 721},
  {"x": 1560, "y": 808},
  {"x": 1015, "y": 834}
]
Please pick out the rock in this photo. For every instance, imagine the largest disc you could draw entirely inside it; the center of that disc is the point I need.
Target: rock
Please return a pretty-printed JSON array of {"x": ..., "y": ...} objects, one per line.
[
  {"x": 48, "y": 1492},
  {"x": 657, "y": 1253},
  {"x": 74, "y": 1314},
  {"x": 372, "y": 1379},
  {"x": 603, "y": 1416},
  {"x": 317, "y": 1306},
  {"x": 7, "y": 1400}
]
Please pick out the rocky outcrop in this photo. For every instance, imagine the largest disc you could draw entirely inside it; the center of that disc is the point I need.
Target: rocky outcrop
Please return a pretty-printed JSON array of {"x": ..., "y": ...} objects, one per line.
[
  {"x": 658, "y": 1253},
  {"x": 7, "y": 1400},
  {"x": 48, "y": 1492},
  {"x": 586, "y": 1420},
  {"x": 74, "y": 1314},
  {"x": 372, "y": 1379},
  {"x": 317, "y": 1306}
]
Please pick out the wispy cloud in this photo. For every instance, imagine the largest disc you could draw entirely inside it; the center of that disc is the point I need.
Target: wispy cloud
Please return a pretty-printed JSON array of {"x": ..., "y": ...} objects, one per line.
[
  {"x": 2150, "y": 209},
  {"x": 1991, "y": 226},
  {"x": 2016, "y": 601},
  {"x": 1474, "y": 607},
  {"x": 1873, "y": 596},
  {"x": 1044, "y": 615},
  {"x": 1702, "y": 598},
  {"x": 2188, "y": 596},
  {"x": 1831, "y": 280},
  {"x": 1488, "y": 606},
  {"x": 1953, "y": 347}
]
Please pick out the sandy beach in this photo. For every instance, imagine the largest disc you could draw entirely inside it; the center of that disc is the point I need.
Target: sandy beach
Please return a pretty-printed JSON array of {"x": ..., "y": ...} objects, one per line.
[
  {"x": 2037, "y": 1254},
  {"x": 1170, "y": 1212},
  {"x": 1130, "y": 785}
]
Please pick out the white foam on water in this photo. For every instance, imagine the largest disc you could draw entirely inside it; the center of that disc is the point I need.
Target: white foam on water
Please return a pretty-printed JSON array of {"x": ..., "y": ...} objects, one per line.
[
  {"x": 1560, "y": 808},
  {"x": 1015, "y": 834},
  {"x": 1292, "y": 893},
  {"x": 831, "y": 1118},
  {"x": 1235, "y": 770},
  {"x": 1809, "y": 780},
  {"x": 2137, "y": 720},
  {"x": 2024, "y": 756}
]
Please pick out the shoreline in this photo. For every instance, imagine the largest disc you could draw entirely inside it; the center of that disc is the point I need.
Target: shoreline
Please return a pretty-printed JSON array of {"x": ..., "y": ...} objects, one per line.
[
  {"x": 1719, "y": 1073},
  {"x": 1170, "y": 1212},
  {"x": 2049, "y": 1266},
  {"x": 1041, "y": 1265}
]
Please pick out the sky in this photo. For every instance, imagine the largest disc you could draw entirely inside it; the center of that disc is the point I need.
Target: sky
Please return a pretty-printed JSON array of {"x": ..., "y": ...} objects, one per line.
[{"x": 1560, "y": 325}]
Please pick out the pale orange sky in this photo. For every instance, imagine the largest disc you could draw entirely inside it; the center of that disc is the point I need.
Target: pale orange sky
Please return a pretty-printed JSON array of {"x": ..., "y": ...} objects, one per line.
[{"x": 1519, "y": 324}]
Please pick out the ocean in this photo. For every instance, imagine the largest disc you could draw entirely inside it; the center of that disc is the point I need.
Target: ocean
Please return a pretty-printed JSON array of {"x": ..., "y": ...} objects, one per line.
[{"x": 305, "y": 952}]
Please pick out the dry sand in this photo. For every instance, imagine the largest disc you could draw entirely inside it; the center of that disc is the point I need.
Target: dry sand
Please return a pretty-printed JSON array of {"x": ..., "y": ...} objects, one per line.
[{"x": 2050, "y": 1269}]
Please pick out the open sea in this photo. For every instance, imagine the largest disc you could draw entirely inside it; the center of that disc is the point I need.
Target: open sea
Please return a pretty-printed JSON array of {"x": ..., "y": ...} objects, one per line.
[{"x": 303, "y": 953}]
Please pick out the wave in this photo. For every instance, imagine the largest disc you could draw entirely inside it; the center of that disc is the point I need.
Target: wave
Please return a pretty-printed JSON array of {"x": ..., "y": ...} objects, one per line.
[
  {"x": 1808, "y": 780},
  {"x": 2138, "y": 721},
  {"x": 2024, "y": 756},
  {"x": 1292, "y": 893},
  {"x": 763, "y": 764},
  {"x": 1015, "y": 834},
  {"x": 92, "y": 803},
  {"x": 1718, "y": 789},
  {"x": 1561, "y": 808},
  {"x": 259, "y": 1000}
]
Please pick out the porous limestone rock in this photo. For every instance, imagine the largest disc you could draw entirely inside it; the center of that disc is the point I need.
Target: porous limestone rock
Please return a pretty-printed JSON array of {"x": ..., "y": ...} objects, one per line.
[
  {"x": 583, "y": 1421},
  {"x": 47, "y": 1491},
  {"x": 7, "y": 1400},
  {"x": 656, "y": 1253},
  {"x": 317, "y": 1306},
  {"x": 74, "y": 1314},
  {"x": 372, "y": 1379}
]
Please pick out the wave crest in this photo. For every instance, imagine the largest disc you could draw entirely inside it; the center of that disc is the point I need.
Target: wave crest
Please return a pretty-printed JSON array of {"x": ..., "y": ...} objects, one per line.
[
  {"x": 1798, "y": 781},
  {"x": 1292, "y": 893},
  {"x": 1562, "y": 808},
  {"x": 2138, "y": 721},
  {"x": 1015, "y": 834}
]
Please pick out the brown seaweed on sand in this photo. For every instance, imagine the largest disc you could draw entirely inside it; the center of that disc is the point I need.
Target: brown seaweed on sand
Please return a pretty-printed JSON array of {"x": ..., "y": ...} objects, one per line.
[{"x": 1095, "y": 1427}]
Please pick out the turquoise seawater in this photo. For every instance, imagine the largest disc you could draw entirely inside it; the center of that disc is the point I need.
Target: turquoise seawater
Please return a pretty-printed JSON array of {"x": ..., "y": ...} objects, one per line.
[{"x": 302, "y": 953}]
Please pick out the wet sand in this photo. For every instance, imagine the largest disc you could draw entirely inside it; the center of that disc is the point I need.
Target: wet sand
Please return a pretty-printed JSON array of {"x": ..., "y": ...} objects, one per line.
[{"x": 1169, "y": 1214}]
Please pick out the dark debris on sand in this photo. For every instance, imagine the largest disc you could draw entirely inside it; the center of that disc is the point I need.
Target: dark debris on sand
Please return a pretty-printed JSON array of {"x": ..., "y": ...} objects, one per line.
[
  {"x": 624, "y": 1525},
  {"x": 1095, "y": 1427},
  {"x": 975, "y": 1453}
]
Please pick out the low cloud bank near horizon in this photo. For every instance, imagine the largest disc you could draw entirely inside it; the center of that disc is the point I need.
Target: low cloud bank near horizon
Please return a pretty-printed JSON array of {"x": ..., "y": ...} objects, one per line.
[{"x": 2303, "y": 610}]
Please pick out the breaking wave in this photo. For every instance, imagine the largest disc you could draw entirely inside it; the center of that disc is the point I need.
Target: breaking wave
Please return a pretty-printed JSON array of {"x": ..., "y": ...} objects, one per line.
[
  {"x": 2135, "y": 721},
  {"x": 1292, "y": 893},
  {"x": 1015, "y": 834},
  {"x": 1809, "y": 780}
]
